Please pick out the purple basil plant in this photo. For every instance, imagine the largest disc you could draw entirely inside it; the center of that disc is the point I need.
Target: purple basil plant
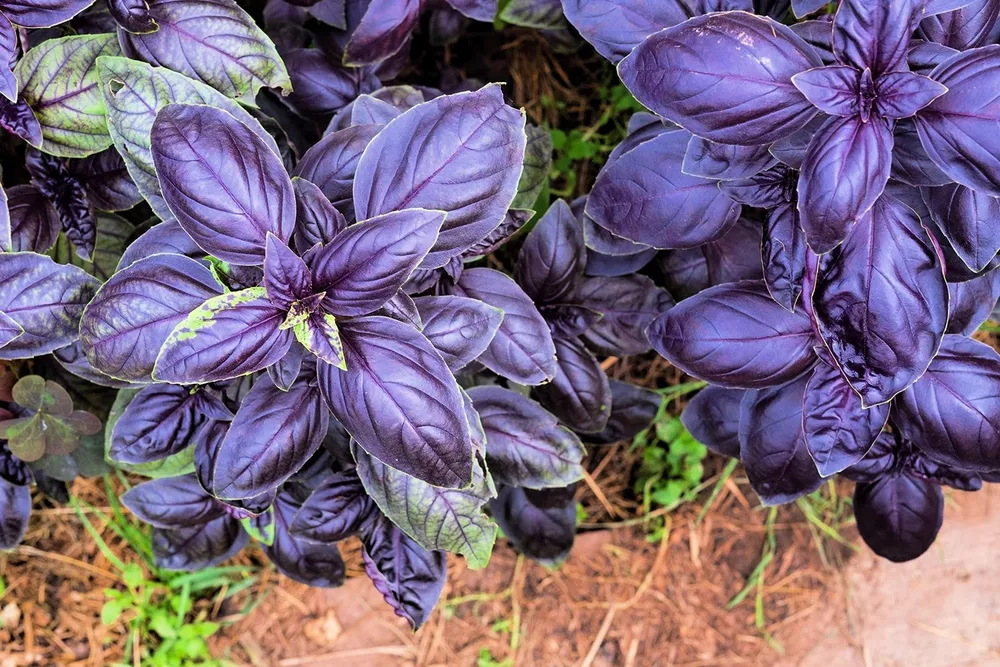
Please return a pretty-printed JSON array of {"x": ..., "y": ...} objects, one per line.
[{"x": 834, "y": 329}]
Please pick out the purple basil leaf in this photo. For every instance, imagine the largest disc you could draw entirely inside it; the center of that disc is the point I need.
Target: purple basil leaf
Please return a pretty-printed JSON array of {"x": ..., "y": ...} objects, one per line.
[
  {"x": 399, "y": 401},
  {"x": 552, "y": 256},
  {"x": 34, "y": 224},
  {"x": 804, "y": 7},
  {"x": 332, "y": 162},
  {"x": 902, "y": 94},
  {"x": 132, "y": 15},
  {"x": 132, "y": 315},
  {"x": 579, "y": 393},
  {"x": 369, "y": 110},
  {"x": 968, "y": 219},
  {"x": 543, "y": 533},
  {"x": 713, "y": 418},
  {"x": 460, "y": 329},
  {"x": 615, "y": 27},
  {"x": 707, "y": 159},
  {"x": 409, "y": 577},
  {"x": 725, "y": 77},
  {"x": 957, "y": 129},
  {"x": 819, "y": 36},
  {"x": 899, "y": 516},
  {"x": 971, "y": 302},
  {"x": 165, "y": 237},
  {"x": 791, "y": 151},
  {"x": 477, "y": 10},
  {"x": 18, "y": 119},
  {"x": 735, "y": 335},
  {"x": 952, "y": 413},
  {"x": 522, "y": 349},
  {"x": 525, "y": 445},
  {"x": 273, "y": 435},
  {"x": 569, "y": 321},
  {"x": 734, "y": 257},
  {"x": 172, "y": 502},
  {"x": 160, "y": 421},
  {"x": 935, "y": 7},
  {"x": 198, "y": 547},
  {"x": 882, "y": 458},
  {"x": 628, "y": 305},
  {"x": 322, "y": 86},
  {"x": 107, "y": 181},
  {"x": 513, "y": 221},
  {"x": 42, "y": 13},
  {"x": 874, "y": 34},
  {"x": 44, "y": 299},
  {"x": 784, "y": 251},
  {"x": 12, "y": 469},
  {"x": 8, "y": 58},
  {"x": 305, "y": 562},
  {"x": 963, "y": 28},
  {"x": 602, "y": 241},
  {"x": 227, "y": 336},
  {"x": 922, "y": 57},
  {"x": 611, "y": 266},
  {"x": 316, "y": 220},
  {"x": 401, "y": 307},
  {"x": 334, "y": 511},
  {"x": 284, "y": 372},
  {"x": 438, "y": 519},
  {"x": 882, "y": 334},
  {"x": 15, "y": 508},
  {"x": 223, "y": 184},
  {"x": 633, "y": 409},
  {"x": 838, "y": 431},
  {"x": 910, "y": 162},
  {"x": 370, "y": 261},
  {"x": 645, "y": 197},
  {"x": 384, "y": 28},
  {"x": 214, "y": 41},
  {"x": 9, "y": 330},
  {"x": 833, "y": 90},
  {"x": 845, "y": 170},
  {"x": 772, "y": 444},
  {"x": 926, "y": 468},
  {"x": 286, "y": 276},
  {"x": 453, "y": 133}
]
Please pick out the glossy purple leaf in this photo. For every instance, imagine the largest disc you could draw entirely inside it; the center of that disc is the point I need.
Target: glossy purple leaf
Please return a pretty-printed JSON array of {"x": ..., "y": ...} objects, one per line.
[
  {"x": 15, "y": 508},
  {"x": 223, "y": 184},
  {"x": 460, "y": 329},
  {"x": 882, "y": 334},
  {"x": 735, "y": 335},
  {"x": 42, "y": 13},
  {"x": 910, "y": 162},
  {"x": 44, "y": 299},
  {"x": 952, "y": 412},
  {"x": 214, "y": 41},
  {"x": 383, "y": 29},
  {"x": 552, "y": 257},
  {"x": 165, "y": 237},
  {"x": 286, "y": 276},
  {"x": 734, "y": 257},
  {"x": 69, "y": 200},
  {"x": 399, "y": 401},
  {"x": 172, "y": 502},
  {"x": 522, "y": 349},
  {"x": 284, "y": 372},
  {"x": 628, "y": 305},
  {"x": 409, "y": 577},
  {"x": 438, "y": 519},
  {"x": 899, "y": 516},
  {"x": 784, "y": 252},
  {"x": 8, "y": 58},
  {"x": 633, "y": 409},
  {"x": 9, "y": 330},
  {"x": 902, "y": 94},
  {"x": 725, "y": 77},
  {"x": 603, "y": 242},
  {"x": 132, "y": 15},
  {"x": 12, "y": 469},
  {"x": 645, "y": 197},
  {"x": 159, "y": 422},
  {"x": 833, "y": 90},
  {"x": 273, "y": 435},
  {"x": 369, "y": 262},
  {"x": 477, "y": 10},
  {"x": 958, "y": 129},
  {"x": 322, "y": 86},
  {"x": 369, "y": 110},
  {"x": 418, "y": 159},
  {"x": 882, "y": 458},
  {"x": 724, "y": 162},
  {"x": 316, "y": 219},
  {"x": 308, "y": 563},
  {"x": 106, "y": 180},
  {"x": 838, "y": 431},
  {"x": 818, "y": 35},
  {"x": 198, "y": 547},
  {"x": 963, "y": 28},
  {"x": 513, "y": 221},
  {"x": 567, "y": 320},
  {"x": 34, "y": 225},
  {"x": 874, "y": 34},
  {"x": 804, "y": 7},
  {"x": 618, "y": 265},
  {"x": 845, "y": 170},
  {"x": 969, "y": 220},
  {"x": 971, "y": 302},
  {"x": 131, "y": 316},
  {"x": 713, "y": 418},
  {"x": 334, "y": 511},
  {"x": 579, "y": 393},
  {"x": 525, "y": 445},
  {"x": 401, "y": 307},
  {"x": 227, "y": 336},
  {"x": 543, "y": 532},
  {"x": 772, "y": 444},
  {"x": 18, "y": 119},
  {"x": 331, "y": 164}
]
